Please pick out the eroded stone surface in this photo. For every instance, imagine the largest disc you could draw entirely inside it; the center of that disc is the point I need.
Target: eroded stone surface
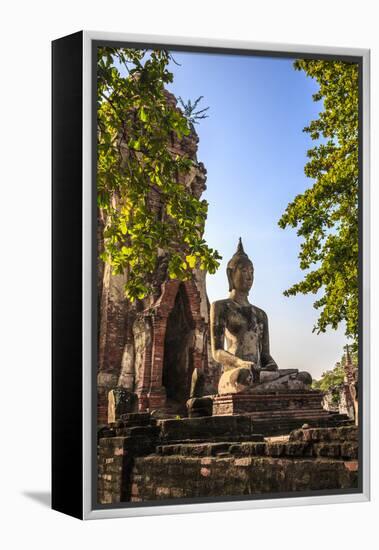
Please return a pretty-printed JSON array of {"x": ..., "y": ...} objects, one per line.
[
  {"x": 167, "y": 459},
  {"x": 205, "y": 428},
  {"x": 120, "y": 402},
  {"x": 200, "y": 406}
]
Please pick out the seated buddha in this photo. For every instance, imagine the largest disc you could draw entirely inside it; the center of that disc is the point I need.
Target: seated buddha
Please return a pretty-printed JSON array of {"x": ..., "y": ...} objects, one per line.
[{"x": 240, "y": 338}]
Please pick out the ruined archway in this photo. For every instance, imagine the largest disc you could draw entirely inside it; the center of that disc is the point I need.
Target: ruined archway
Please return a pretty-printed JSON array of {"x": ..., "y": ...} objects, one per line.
[
  {"x": 177, "y": 322},
  {"x": 178, "y": 363}
]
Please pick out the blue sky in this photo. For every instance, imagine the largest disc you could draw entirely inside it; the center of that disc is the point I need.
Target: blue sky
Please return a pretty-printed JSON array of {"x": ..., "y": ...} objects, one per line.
[{"x": 254, "y": 150}]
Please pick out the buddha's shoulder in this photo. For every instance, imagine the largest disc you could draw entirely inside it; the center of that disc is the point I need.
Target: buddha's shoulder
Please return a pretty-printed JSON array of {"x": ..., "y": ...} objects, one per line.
[
  {"x": 222, "y": 304},
  {"x": 228, "y": 303},
  {"x": 259, "y": 312}
]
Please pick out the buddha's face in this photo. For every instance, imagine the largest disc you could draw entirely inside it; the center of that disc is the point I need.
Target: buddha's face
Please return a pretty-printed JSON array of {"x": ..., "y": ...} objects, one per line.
[{"x": 243, "y": 276}]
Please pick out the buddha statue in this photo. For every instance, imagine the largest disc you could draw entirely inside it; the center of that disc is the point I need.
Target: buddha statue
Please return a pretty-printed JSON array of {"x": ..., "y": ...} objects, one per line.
[{"x": 240, "y": 338}]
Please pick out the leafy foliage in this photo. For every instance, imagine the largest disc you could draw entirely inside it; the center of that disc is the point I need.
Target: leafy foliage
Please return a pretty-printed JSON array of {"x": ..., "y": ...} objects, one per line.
[
  {"x": 330, "y": 379},
  {"x": 136, "y": 126},
  {"x": 189, "y": 111},
  {"x": 326, "y": 214}
]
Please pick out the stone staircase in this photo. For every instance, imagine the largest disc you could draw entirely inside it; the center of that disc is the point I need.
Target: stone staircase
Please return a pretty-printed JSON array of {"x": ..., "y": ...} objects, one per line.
[{"x": 281, "y": 425}]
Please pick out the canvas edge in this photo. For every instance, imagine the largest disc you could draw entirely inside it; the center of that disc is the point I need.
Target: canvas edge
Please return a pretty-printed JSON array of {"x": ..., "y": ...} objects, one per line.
[{"x": 88, "y": 512}]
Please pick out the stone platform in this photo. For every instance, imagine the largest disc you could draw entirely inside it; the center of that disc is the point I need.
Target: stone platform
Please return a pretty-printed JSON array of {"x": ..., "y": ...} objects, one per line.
[
  {"x": 279, "y": 412},
  {"x": 208, "y": 428},
  {"x": 279, "y": 403},
  {"x": 165, "y": 464}
]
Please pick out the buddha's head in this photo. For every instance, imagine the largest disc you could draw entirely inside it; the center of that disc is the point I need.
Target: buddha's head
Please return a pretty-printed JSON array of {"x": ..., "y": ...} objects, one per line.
[{"x": 240, "y": 270}]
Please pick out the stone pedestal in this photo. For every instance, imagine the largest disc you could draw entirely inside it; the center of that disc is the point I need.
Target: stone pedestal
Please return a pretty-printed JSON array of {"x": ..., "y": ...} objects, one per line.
[
  {"x": 269, "y": 403},
  {"x": 280, "y": 412}
]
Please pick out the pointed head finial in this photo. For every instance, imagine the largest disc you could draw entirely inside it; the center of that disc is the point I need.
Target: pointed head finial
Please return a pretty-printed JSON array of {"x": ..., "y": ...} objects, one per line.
[{"x": 239, "y": 258}]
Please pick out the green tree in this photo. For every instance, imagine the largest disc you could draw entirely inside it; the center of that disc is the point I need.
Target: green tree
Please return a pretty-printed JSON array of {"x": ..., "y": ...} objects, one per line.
[
  {"x": 326, "y": 214},
  {"x": 331, "y": 382},
  {"x": 330, "y": 379},
  {"x": 136, "y": 124},
  {"x": 335, "y": 377}
]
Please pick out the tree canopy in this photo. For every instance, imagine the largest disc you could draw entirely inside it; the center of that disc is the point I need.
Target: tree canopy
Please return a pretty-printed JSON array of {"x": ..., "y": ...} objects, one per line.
[
  {"x": 334, "y": 378},
  {"x": 326, "y": 214},
  {"x": 331, "y": 381},
  {"x": 136, "y": 124}
]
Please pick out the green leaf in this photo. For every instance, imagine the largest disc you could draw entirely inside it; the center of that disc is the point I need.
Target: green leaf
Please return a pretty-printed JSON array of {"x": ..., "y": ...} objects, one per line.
[
  {"x": 191, "y": 260},
  {"x": 143, "y": 115}
]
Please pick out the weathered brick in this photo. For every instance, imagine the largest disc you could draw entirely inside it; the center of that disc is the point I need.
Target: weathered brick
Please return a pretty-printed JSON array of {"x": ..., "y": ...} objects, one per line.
[
  {"x": 242, "y": 461},
  {"x": 176, "y": 492},
  {"x": 134, "y": 489},
  {"x": 163, "y": 491},
  {"x": 352, "y": 465}
]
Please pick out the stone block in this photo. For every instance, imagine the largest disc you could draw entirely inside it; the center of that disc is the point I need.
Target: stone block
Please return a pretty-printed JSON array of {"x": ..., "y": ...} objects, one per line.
[
  {"x": 275, "y": 402},
  {"x": 327, "y": 450},
  {"x": 134, "y": 489},
  {"x": 205, "y": 428},
  {"x": 298, "y": 449},
  {"x": 120, "y": 402},
  {"x": 135, "y": 419},
  {"x": 275, "y": 449},
  {"x": 163, "y": 492},
  {"x": 327, "y": 434},
  {"x": 199, "y": 406},
  {"x": 242, "y": 461},
  {"x": 349, "y": 450},
  {"x": 176, "y": 492},
  {"x": 351, "y": 466}
]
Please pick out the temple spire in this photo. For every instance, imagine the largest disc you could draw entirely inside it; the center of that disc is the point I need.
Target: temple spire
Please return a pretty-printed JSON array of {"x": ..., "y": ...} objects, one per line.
[{"x": 347, "y": 355}]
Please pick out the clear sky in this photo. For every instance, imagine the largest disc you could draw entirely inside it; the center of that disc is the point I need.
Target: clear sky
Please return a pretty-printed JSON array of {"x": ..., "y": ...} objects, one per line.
[{"x": 254, "y": 150}]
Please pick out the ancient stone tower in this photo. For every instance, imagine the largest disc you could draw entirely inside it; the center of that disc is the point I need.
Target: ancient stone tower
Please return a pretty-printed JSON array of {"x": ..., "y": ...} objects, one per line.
[{"x": 152, "y": 346}]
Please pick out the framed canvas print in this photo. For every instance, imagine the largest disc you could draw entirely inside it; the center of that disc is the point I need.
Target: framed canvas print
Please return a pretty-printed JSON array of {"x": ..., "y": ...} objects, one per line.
[{"x": 210, "y": 275}]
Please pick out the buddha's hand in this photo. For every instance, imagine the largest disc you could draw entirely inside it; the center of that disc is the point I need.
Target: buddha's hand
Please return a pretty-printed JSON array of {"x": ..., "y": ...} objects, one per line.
[
  {"x": 251, "y": 366},
  {"x": 246, "y": 364}
]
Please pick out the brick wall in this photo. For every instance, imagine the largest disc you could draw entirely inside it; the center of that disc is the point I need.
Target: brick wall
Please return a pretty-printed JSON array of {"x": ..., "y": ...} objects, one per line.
[
  {"x": 161, "y": 477},
  {"x": 312, "y": 459},
  {"x": 117, "y": 317}
]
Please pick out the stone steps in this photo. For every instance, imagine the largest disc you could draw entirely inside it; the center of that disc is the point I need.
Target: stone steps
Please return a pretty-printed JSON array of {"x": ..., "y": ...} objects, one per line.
[
  {"x": 283, "y": 426},
  {"x": 338, "y": 443},
  {"x": 289, "y": 414}
]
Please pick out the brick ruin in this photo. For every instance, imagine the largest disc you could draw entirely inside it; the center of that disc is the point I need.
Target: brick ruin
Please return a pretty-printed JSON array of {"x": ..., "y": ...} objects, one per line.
[
  {"x": 152, "y": 346},
  {"x": 343, "y": 398},
  {"x": 144, "y": 459}
]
